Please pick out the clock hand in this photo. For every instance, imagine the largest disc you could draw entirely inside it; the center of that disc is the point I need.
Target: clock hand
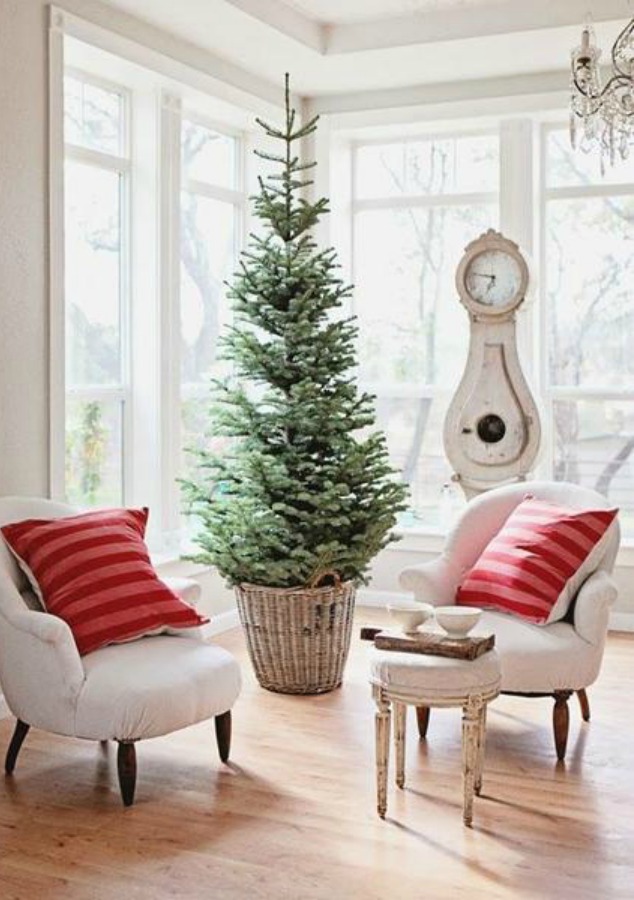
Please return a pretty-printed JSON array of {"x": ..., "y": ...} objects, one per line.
[{"x": 482, "y": 275}]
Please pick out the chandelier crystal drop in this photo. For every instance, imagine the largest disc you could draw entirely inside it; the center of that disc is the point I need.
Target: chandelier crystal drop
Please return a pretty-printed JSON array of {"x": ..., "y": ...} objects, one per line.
[{"x": 602, "y": 115}]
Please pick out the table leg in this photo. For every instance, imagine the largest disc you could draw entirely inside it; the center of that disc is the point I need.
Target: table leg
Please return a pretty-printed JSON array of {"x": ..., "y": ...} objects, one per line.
[
  {"x": 400, "y": 726},
  {"x": 470, "y": 730},
  {"x": 382, "y": 725},
  {"x": 482, "y": 734}
]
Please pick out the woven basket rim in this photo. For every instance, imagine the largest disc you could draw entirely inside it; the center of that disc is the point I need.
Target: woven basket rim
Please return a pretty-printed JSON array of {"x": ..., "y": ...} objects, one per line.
[{"x": 271, "y": 589}]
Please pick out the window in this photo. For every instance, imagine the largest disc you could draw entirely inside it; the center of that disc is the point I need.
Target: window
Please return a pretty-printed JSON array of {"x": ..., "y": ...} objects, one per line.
[
  {"x": 153, "y": 222},
  {"x": 416, "y": 206},
  {"x": 589, "y": 321},
  {"x": 211, "y": 217},
  {"x": 416, "y": 203},
  {"x": 97, "y": 168}
]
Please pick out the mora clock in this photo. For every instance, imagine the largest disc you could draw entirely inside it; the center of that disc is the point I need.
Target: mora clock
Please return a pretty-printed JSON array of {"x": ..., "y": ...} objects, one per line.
[{"x": 492, "y": 430}]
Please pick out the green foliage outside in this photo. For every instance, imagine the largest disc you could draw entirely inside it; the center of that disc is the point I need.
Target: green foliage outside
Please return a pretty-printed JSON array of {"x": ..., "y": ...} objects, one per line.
[
  {"x": 85, "y": 455},
  {"x": 306, "y": 484}
]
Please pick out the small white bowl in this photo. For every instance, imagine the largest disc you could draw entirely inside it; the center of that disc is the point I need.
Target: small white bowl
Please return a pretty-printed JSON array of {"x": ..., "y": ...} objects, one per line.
[
  {"x": 458, "y": 621},
  {"x": 410, "y": 615}
]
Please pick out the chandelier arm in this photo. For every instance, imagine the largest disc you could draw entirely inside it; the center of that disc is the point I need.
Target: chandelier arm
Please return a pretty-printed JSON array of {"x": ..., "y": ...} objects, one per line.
[
  {"x": 618, "y": 80},
  {"x": 607, "y": 112},
  {"x": 627, "y": 31}
]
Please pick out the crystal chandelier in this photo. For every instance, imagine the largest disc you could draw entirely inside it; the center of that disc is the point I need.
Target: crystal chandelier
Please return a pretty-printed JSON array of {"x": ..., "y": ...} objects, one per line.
[{"x": 602, "y": 116}]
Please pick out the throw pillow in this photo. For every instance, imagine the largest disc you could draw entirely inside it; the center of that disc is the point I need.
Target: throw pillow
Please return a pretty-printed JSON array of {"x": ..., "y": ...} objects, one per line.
[
  {"x": 94, "y": 572},
  {"x": 538, "y": 560}
]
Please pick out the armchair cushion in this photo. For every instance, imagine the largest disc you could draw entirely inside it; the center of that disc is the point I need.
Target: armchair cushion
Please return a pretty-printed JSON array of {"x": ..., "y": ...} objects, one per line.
[
  {"x": 541, "y": 658},
  {"x": 154, "y": 686},
  {"x": 94, "y": 572},
  {"x": 536, "y": 563}
]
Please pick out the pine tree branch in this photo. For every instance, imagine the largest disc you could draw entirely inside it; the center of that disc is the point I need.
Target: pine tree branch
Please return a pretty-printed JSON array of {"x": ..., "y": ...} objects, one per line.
[{"x": 296, "y": 485}]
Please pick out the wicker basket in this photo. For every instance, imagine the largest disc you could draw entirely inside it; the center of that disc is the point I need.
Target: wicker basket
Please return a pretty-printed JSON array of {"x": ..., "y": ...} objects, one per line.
[{"x": 298, "y": 638}]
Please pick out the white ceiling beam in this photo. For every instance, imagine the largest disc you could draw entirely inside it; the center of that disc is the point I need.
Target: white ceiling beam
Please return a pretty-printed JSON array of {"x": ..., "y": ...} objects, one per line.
[
  {"x": 142, "y": 35},
  {"x": 469, "y": 22},
  {"x": 287, "y": 20},
  {"x": 449, "y": 92},
  {"x": 455, "y": 23}
]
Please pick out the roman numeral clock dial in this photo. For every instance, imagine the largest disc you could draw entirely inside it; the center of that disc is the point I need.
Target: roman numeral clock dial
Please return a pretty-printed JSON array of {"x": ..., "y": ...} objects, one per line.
[{"x": 492, "y": 429}]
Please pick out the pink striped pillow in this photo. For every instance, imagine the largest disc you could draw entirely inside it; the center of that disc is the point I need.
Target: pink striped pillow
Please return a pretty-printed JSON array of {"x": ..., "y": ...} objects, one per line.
[
  {"x": 94, "y": 572},
  {"x": 538, "y": 560}
]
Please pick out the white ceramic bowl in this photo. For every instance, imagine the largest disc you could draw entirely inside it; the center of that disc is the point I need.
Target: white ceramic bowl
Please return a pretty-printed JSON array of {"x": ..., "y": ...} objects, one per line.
[
  {"x": 410, "y": 615},
  {"x": 457, "y": 621}
]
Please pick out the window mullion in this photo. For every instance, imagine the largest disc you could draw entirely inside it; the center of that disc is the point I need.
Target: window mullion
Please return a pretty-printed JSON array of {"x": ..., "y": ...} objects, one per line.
[
  {"x": 517, "y": 200},
  {"x": 89, "y": 157},
  {"x": 562, "y": 392},
  {"x": 169, "y": 256},
  {"x": 213, "y": 192},
  {"x": 582, "y": 192},
  {"x": 422, "y": 200},
  {"x": 125, "y": 317},
  {"x": 57, "y": 328}
]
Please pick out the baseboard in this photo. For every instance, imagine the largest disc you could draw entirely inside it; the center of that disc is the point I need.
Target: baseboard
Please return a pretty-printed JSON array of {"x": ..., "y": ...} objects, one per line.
[
  {"x": 619, "y": 621},
  {"x": 370, "y": 597},
  {"x": 222, "y": 622}
]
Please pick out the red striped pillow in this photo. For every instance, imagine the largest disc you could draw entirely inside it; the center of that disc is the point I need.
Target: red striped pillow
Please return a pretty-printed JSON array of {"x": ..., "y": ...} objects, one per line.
[
  {"x": 94, "y": 572},
  {"x": 537, "y": 561}
]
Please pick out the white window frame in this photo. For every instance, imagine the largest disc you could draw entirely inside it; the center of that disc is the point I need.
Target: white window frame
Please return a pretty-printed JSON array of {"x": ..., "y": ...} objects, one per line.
[
  {"x": 422, "y": 390},
  {"x": 550, "y": 392},
  {"x": 173, "y": 115},
  {"x": 523, "y": 197},
  {"x": 151, "y": 389},
  {"x": 123, "y": 167}
]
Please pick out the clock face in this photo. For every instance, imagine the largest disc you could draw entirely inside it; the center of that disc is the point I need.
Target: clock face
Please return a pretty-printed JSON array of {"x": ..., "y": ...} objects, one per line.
[{"x": 493, "y": 278}]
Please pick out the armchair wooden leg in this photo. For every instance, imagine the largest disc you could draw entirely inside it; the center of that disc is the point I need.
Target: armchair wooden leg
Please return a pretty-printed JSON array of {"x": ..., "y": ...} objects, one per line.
[
  {"x": 126, "y": 767},
  {"x": 21, "y": 731},
  {"x": 584, "y": 703},
  {"x": 422, "y": 717},
  {"x": 223, "y": 734},
  {"x": 561, "y": 719}
]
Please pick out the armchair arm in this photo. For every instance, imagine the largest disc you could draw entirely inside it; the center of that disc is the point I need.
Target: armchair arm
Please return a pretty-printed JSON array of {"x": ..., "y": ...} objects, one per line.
[
  {"x": 592, "y": 607},
  {"x": 433, "y": 582},
  {"x": 190, "y": 591},
  {"x": 40, "y": 668},
  {"x": 186, "y": 588}
]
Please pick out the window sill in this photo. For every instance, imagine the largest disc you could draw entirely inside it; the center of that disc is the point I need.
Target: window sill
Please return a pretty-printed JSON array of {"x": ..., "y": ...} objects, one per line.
[
  {"x": 410, "y": 540},
  {"x": 174, "y": 564},
  {"x": 418, "y": 539}
]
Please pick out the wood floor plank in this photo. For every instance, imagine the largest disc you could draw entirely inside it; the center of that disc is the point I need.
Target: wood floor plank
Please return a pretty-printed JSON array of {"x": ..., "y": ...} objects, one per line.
[{"x": 293, "y": 815}]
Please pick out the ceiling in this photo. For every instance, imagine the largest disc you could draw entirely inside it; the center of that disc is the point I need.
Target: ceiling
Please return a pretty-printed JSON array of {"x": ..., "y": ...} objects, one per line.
[
  {"x": 349, "y": 46},
  {"x": 337, "y": 12}
]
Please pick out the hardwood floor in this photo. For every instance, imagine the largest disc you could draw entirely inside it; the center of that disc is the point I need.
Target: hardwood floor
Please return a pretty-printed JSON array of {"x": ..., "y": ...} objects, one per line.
[{"x": 292, "y": 817}]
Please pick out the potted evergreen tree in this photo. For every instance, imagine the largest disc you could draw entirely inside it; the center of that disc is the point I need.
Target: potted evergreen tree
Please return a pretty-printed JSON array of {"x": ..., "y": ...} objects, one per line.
[{"x": 302, "y": 499}]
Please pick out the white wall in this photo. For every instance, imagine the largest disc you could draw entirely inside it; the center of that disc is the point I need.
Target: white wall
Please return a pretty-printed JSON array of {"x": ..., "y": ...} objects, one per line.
[{"x": 23, "y": 248}]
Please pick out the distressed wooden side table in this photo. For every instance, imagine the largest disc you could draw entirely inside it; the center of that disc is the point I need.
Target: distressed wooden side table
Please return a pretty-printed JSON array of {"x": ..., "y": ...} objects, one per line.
[{"x": 400, "y": 680}]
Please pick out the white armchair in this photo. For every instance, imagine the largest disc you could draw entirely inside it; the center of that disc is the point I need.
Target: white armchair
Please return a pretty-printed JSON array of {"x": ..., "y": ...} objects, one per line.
[
  {"x": 123, "y": 692},
  {"x": 548, "y": 660}
]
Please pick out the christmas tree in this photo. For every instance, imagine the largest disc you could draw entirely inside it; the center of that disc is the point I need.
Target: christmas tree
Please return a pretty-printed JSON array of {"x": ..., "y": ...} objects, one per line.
[{"x": 305, "y": 484}]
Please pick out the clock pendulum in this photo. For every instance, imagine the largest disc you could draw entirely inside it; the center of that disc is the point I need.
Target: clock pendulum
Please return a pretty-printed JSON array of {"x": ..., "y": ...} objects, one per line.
[{"x": 492, "y": 430}]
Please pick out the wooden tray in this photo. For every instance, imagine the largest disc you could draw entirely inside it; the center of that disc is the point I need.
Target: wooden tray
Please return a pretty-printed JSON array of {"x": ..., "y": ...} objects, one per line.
[{"x": 429, "y": 643}]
